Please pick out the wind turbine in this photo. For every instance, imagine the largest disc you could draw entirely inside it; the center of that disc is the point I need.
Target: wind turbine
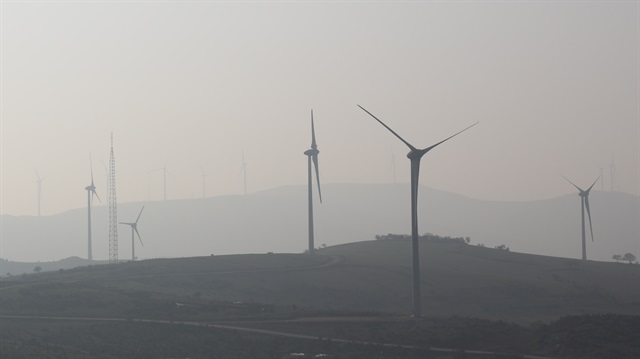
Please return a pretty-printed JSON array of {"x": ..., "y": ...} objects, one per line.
[
  {"x": 134, "y": 228},
  {"x": 601, "y": 175},
  {"x": 243, "y": 170},
  {"x": 164, "y": 178},
  {"x": 584, "y": 203},
  {"x": 204, "y": 179},
  {"x": 91, "y": 191},
  {"x": 414, "y": 156},
  {"x": 612, "y": 168},
  {"x": 312, "y": 155},
  {"x": 39, "y": 181}
]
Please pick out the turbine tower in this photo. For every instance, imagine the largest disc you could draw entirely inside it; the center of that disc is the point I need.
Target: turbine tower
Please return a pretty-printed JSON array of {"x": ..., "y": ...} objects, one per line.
[
  {"x": 39, "y": 181},
  {"x": 414, "y": 156},
  {"x": 164, "y": 178},
  {"x": 134, "y": 228},
  {"x": 612, "y": 168},
  {"x": 584, "y": 203},
  {"x": 91, "y": 191},
  {"x": 204, "y": 179},
  {"x": 243, "y": 170},
  {"x": 312, "y": 155},
  {"x": 113, "y": 208}
]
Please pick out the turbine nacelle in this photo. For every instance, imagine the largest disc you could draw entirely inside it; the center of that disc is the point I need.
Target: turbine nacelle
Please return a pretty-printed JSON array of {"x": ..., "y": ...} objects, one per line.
[
  {"x": 311, "y": 152},
  {"x": 417, "y": 154}
]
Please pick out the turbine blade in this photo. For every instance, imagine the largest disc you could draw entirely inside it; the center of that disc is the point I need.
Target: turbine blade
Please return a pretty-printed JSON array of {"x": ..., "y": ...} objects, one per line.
[
  {"x": 139, "y": 214},
  {"x": 594, "y": 183},
  {"x": 136, "y": 229},
  {"x": 574, "y": 185},
  {"x": 91, "y": 166},
  {"x": 586, "y": 203},
  {"x": 448, "y": 138},
  {"x": 315, "y": 164},
  {"x": 313, "y": 133},
  {"x": 388, "y": 128},
  {"x": 93, "y": 192},
  {"x": 38, "y": 176}
]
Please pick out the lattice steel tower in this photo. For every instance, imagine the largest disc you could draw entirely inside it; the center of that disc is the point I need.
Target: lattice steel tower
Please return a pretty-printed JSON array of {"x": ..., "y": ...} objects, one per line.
[{"x": 113, "y": 208}]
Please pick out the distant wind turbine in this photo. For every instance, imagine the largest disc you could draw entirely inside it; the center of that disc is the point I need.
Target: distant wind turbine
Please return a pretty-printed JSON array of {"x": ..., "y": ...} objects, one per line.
[
  {"x": 91, "y": 191},
  {"x": 134, "y": 228},
  {"x": 164, "y": 178},
  {"x": 243, "y": 171},
  {"x": 584, "y": 203},
  {"x": 601, "y": 175},
  {"x": 612, "y": 168},
  {"x": 204, "y": 179},
  {"x": 312, "y": 155},
  {"x": 39, "y": 181},
  {"x": 414, "y": 156}
]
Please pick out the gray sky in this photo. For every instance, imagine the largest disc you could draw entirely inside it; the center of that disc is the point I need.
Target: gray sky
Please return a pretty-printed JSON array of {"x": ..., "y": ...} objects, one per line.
[{"x": 555, "y": 86}]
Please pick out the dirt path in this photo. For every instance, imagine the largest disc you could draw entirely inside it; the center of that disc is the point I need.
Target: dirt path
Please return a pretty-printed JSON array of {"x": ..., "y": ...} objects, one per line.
[{"x": 227, "y": 326}]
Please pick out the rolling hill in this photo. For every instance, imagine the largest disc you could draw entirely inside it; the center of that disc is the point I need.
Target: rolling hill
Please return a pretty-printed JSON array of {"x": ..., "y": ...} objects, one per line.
[
  {"x": 363, "y": 277},
  {"x": 275, "y": 221}
]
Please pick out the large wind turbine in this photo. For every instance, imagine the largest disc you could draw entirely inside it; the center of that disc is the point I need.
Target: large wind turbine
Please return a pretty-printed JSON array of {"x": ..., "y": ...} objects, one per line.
[
  {"x": 39, "y": 181},
  {"x": 91, "y": 191},
  {"x": 584, "y": 203},
  {"x": 414, "y": 156},
  {"x": 134, "y": 228},
  {"x": 312, "y": 155}
]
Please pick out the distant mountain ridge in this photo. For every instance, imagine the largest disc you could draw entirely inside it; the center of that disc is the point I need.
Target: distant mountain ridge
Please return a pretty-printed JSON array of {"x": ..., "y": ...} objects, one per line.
[{"x": 276, "y": 221}]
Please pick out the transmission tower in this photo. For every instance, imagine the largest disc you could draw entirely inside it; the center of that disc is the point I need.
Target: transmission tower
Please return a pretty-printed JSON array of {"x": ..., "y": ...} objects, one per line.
[{"x": 113, "y": 208}]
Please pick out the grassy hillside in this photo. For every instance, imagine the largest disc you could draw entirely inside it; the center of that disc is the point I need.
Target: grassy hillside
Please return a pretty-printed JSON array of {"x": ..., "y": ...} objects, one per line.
[
  {"x": 475, "y": 298},
  {"x": 364, "y": 277}
]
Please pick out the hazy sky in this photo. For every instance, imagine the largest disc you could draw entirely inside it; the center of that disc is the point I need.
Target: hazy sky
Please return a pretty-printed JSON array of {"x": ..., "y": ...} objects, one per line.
[{"x": 555, "y": 86}]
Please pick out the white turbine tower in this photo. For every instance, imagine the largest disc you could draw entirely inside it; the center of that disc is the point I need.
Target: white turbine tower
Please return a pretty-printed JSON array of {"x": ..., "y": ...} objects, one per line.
[
  {"x": 164, "y": 178},
  {"x": 134, "y": 229},
  {"x": 91, "y": 191},
  {"x": 312, "y": 155},
  {"x": 414, "y": 156},
  {"x": 39, "y": 181}
]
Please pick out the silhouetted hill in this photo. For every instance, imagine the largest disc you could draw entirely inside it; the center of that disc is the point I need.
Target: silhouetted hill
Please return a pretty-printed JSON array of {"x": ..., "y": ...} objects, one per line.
[
  {"x": 364, "y": 277},
  {"x": 276, "y": 221},
  {"x": 15, "y": 268}
]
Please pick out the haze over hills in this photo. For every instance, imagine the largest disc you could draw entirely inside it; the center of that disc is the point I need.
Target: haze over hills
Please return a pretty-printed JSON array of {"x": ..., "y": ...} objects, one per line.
[{"x": 276, "y": 221}]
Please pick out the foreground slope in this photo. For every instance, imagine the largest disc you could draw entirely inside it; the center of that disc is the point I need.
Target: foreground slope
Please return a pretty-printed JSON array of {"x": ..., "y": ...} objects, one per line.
[{"x": 374, "y": 276}]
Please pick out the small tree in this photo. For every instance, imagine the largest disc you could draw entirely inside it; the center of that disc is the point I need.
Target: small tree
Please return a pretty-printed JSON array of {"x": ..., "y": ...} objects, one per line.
[
  {"x": 629, "y": 258},
  {"x": 617, "y": 258},
  {"x": 37, "y": 269}
]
